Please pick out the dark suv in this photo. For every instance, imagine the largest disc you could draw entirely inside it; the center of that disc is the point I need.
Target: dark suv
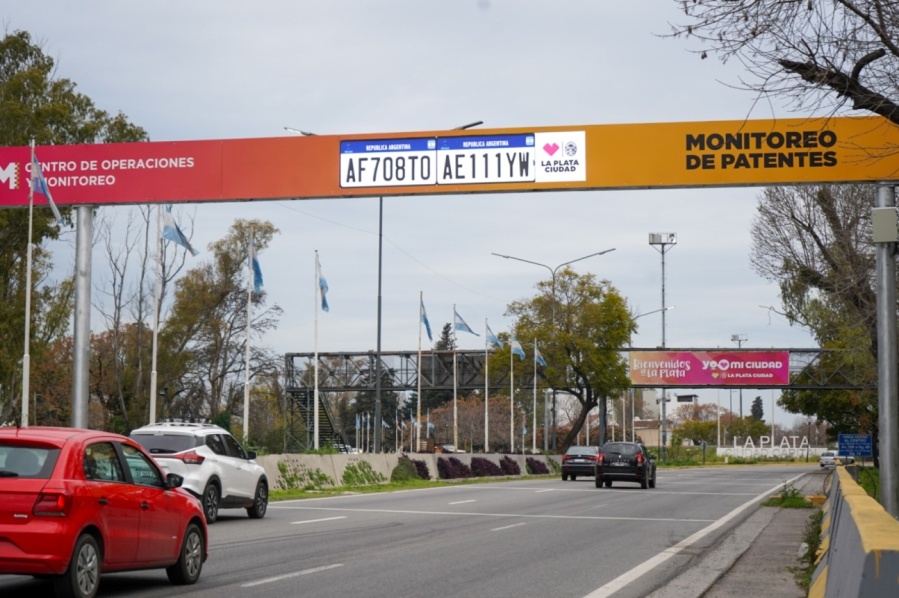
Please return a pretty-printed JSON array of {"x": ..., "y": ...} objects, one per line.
[{"x": 625, "y": 462}]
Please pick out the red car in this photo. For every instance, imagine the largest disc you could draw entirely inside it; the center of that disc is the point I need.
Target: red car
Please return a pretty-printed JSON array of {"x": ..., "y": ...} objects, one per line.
[{"x": 78, "y": 503}]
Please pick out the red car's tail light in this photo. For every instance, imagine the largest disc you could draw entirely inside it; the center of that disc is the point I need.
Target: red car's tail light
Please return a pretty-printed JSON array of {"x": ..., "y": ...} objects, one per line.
[
  {"x": 52, "y": 504},
  {"x": 192, "y": 458}
]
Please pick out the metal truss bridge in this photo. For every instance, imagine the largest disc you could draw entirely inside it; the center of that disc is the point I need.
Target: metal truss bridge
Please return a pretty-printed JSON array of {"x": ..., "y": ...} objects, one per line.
[{"x": 810, "y": 369}]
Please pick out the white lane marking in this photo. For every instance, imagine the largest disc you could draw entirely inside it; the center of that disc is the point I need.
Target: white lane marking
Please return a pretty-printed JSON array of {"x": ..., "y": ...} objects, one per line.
[
  {"x": 458, "y": 514},
  {"x": 497, "y": 529},
  {"x": 317, "y": 520},
  {"x": 462, "y": 502},
  {"x": 642, "y": 569},
  {"x": 260, "y": 582},
  {"x": 547, "y": 490}
]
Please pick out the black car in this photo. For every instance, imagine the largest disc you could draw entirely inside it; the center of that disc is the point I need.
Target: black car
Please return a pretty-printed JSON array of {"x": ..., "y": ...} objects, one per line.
[
  {"x": 625, "y": 462},
  {"x": 579, "y": 460}
]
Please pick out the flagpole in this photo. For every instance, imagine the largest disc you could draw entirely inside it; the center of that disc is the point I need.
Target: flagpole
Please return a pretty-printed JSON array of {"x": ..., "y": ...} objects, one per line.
[
  {"x": 455, "y": 385},
  {"x": 156, "y": 292},
  {"x": 534, "y": 422},
  {"x": 486, "y": 383},
  {"x": 315, "y": 340},
  {"x": 26, "y": 357},
  {"x": 417, "y": 431},
  {"x": 512, "y": 398},
  {"x": 246, "y": 386}
]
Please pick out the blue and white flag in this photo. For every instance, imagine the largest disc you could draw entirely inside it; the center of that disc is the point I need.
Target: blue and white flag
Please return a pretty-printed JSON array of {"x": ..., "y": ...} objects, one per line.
[
  {"x": 172, "y": 232},
  {"x": 461, "y": 325},
  {"x": 424, "y": 320},
  {"x": 516, "y": 347},
  {"x": 322, "y": 283},
  {"x": 39, "y": 184},
  {"x": 254, "y": 264},
  {"x": 537, "y": 357},
  {"x": 491, "y": 338}
]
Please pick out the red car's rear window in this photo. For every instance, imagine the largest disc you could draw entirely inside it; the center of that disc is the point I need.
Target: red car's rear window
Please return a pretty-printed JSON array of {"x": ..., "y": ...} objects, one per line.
[{"x": 26, "y": 461}]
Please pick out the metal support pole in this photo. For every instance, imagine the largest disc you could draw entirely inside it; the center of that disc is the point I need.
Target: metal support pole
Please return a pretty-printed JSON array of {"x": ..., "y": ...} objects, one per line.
[
  {"x": 378, "y": 419},
  {"x": 81, "y": 337},
  {"x": 887, "y": 390}
]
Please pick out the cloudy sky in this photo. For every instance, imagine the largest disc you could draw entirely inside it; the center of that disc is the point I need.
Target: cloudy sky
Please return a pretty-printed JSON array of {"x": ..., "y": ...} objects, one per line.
[{"x": 228, "y": 69}]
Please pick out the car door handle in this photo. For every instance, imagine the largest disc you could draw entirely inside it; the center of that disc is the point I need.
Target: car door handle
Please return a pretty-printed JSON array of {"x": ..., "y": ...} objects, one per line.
[
  {"x": 103, "y": 501},
  {"x": 144, "y": 505}
]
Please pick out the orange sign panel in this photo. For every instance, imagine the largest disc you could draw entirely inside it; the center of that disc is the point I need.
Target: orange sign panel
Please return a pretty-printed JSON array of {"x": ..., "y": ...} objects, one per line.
[{"x": 627, "y": 156}]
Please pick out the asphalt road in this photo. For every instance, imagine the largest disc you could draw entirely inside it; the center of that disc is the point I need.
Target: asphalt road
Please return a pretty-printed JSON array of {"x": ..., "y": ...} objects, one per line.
[{"x": 519, "y": 538}]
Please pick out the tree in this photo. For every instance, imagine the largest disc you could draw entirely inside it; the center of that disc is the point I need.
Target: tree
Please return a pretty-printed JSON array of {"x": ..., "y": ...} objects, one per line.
[
  {"x": 757, "y": 410},
  {"x": 817, "y": 54},
  {"x": 815, "y": 242},
  {"x": 580, "y": 330},
  {"x": 34, "y": 104},
  {"x": 204, "y": 339},
  {"x": 447, "y": 340}
]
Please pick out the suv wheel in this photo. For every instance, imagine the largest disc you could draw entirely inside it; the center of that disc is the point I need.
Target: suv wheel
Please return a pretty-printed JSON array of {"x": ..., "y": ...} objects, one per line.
[
  {"x": 260, "y": 502},
  {"x": 211, "y": 502}
]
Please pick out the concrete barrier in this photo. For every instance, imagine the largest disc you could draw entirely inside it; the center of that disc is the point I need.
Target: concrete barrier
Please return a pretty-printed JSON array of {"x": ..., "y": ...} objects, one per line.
[
  {"x": 291, "y": 471},
  {"x": 859, "y": 552}
]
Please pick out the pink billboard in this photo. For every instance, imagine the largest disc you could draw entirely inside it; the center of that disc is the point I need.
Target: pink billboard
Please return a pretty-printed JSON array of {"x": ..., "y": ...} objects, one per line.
[{"x": 710, "y": 368}]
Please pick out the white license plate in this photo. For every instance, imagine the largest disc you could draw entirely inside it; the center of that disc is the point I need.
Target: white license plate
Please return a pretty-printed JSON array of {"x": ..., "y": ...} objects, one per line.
[{"x": 619, "y": 464}]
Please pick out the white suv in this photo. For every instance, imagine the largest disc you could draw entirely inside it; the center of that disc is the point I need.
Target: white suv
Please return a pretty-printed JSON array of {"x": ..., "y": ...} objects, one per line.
[{"x": 214, "y": 466}]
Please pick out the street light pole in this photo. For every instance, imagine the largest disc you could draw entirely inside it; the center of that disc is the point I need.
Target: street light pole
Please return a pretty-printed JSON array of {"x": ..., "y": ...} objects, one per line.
[
  {"x": 379, "y": 420},
  {"x": 553, "y": 272},
  {"x": 739, "y": 339},
  {"x": 661, "y": 242},
  {"x": 633, "y": 414}
]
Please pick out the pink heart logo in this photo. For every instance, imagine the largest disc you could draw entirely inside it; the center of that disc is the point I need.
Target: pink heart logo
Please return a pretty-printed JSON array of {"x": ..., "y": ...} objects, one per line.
[{"x": 551, "y": 148}]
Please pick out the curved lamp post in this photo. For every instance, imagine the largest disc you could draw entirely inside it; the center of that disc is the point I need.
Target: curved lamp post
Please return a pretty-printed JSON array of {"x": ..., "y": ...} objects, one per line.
[{"x": 553, "y": 272}]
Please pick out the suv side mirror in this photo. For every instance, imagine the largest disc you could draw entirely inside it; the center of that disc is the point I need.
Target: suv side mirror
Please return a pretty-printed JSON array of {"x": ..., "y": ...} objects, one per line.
[{"x": 251, "y": 455}]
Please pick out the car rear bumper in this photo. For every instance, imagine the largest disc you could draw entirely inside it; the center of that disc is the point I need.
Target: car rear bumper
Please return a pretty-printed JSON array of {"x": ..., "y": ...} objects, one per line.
[
  {"x": 27, "y": 553},
  {"x": 578, "y": 469},
  {"x": 625, "y": 475}
]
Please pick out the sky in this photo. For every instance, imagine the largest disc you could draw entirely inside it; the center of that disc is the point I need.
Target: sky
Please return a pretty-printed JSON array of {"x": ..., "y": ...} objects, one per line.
[{"x": 228, "y": 69}]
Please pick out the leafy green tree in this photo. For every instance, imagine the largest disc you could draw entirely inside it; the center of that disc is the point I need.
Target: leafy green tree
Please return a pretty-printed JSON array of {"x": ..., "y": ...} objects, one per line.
[
  {"x": 815, "y": 243},
  {"x": 757, "y": 410},
  {"x": 580, "y": 324},
  {"x": 206, "y": 332},
  {"x": 433, "y": 399},
  {"x": 447, "y": 340},
  {"x": 35, "y": 104}
]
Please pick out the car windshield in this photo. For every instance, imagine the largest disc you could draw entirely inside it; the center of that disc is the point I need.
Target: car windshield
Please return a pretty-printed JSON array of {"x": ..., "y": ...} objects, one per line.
[
  {"x": 618, "y": 448},
  {"x": 827, "y": 454},
  {"x": 160, "y": 444}
]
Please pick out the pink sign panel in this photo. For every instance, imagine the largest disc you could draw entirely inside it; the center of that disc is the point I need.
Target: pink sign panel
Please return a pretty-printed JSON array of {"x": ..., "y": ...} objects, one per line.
[{"x": 710, "y": 368}]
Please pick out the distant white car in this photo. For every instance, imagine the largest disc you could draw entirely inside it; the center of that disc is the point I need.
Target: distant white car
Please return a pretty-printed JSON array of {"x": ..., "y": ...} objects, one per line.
[{"x": 830, "y": 459}]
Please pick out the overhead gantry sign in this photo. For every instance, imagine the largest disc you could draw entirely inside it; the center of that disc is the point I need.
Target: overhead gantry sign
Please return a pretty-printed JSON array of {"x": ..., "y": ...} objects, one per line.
[{"x": 589, "y": 157}]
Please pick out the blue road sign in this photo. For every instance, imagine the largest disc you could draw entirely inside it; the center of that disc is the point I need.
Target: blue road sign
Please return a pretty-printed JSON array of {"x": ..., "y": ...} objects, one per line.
[{"x": 855, "y": 445}]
